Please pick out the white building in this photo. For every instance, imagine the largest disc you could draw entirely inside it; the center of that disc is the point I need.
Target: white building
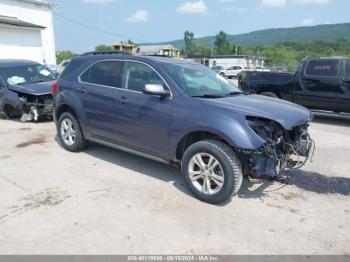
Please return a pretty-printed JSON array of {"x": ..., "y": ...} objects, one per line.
[
  {"x": 26, "y": 31},
  {"x": 226, "y": 61},
  {"x": 163, "y": 50}
]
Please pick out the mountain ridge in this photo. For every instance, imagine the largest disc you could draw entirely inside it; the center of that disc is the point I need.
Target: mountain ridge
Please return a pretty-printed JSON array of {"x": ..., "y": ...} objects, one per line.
[{"x": 271, "y": 36}]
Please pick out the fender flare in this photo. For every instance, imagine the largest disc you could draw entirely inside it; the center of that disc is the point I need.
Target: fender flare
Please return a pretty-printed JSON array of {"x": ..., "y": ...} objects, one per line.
[
  {"x": 70, "y": 100},
  {"x": 8, "y": 97}
]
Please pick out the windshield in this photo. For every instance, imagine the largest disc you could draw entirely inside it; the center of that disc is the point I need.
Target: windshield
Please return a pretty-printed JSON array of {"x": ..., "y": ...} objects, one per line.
[
  {"x": 27, "y": 74},
  {"x": 199, "y": 81}
]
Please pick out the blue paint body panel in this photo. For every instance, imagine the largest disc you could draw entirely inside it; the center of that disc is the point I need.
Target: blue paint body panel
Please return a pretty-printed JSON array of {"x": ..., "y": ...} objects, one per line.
[{"x": 155, "y": 125}]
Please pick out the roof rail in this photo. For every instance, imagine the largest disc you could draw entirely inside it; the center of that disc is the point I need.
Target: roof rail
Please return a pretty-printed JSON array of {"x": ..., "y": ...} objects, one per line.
[{"x": 107, "y": 53}]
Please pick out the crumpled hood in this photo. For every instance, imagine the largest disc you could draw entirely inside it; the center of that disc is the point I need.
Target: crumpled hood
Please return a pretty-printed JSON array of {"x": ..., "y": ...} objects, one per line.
[
  {"x": 41, "y": 88},
  {"x": 285, "y": 113}
]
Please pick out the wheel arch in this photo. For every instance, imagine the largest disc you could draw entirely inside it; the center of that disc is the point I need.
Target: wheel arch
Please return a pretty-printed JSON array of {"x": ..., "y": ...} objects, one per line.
[
  {"x": 64, "y": 108},
  {"x": 270, "y": 90},
  {"x": 232, "y": 131},
  {"x": 235, "y": 138},
  {"x": 193, "y": 137},
  {"x": 68, "y": 102}
]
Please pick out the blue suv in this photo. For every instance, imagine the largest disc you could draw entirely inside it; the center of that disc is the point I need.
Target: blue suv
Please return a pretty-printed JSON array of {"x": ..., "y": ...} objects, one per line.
[{"x": 179, "y": 112}]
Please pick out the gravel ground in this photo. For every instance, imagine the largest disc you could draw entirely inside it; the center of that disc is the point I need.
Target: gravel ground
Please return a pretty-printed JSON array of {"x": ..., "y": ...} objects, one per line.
[{"x": 103, "y": 201}]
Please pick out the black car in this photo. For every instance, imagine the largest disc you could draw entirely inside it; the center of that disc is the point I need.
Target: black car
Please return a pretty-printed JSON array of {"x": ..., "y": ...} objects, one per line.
[
  {"x": 182, "y": 113},
  {"x": 25, "y": 90},
  {"x": 318, "y": 84}
]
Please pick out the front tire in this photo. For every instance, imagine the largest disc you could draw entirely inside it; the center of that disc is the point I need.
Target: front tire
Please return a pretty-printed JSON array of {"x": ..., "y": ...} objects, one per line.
[
  {"x": 212, "y": 171},
  {"x": 70, "y": 134}
]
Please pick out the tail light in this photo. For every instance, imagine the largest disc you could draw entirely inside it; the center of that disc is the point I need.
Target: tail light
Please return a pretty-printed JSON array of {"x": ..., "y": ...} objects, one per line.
[{"x": 54, "y": 88}]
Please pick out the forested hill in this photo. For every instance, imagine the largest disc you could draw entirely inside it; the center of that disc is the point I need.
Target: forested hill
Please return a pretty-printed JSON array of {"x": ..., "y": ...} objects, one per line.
[{"x": 281, "y": 35}]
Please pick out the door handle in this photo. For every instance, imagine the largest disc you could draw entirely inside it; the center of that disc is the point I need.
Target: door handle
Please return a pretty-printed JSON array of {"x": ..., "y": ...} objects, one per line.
[
  {"x": 309, "y": 79},
  {"x": 82, "y": 90},
  {"x": 123, "y": 100}
]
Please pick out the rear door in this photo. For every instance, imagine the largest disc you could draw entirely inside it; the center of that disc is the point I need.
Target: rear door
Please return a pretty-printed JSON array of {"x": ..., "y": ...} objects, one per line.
[
  {"x": 319, "y": 84},
  {"x": 343, "y": 104},
  {"x": 97, "y": 88}
]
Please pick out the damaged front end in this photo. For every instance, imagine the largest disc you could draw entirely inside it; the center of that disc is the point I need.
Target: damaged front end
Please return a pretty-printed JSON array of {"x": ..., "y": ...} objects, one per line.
[
  {"x": 282, "y": 148},
  {"x": 36, "y": 107},
  {"x": 27, "y": 107}
]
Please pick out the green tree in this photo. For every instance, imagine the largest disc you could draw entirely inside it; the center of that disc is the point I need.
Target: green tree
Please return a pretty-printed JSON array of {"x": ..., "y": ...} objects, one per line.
[
  {"x": 190, "y": 45},
  {"x": 203, "y": 48},
  {"x": 64, "y": 55},
  {"x": 289, "y": 54},
  {"x": 103, "y": 48},
  {"x": 222, "y": 44}
]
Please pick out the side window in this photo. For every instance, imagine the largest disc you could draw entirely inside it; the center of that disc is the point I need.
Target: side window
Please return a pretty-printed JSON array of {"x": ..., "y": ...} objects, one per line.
[
  {"x": 347, "y": 68},
  {"x": 106, "y": 73},
  {"x": 322, "y": 67},
  {"x": 137, "y": 75}
]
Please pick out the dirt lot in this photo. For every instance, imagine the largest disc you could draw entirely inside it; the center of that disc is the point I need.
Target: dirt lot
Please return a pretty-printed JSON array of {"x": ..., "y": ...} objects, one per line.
[{"x": 105, "y": 201}]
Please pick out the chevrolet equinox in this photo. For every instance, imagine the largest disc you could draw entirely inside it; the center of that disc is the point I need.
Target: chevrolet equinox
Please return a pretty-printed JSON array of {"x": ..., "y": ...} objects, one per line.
[{"x": 182, "y": 113}]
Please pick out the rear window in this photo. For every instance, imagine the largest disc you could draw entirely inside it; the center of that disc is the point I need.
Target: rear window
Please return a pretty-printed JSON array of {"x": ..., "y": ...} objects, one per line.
[
  {"x": 106, "y": 73},
  {"x": 276, "y": 78},
  {"x": 74, "y": 64},
  {"x": 322, "y": 67}
]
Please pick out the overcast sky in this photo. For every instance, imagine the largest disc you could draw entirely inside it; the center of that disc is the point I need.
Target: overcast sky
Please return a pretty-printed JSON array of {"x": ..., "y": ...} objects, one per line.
[{"x": 82, "y": 24}]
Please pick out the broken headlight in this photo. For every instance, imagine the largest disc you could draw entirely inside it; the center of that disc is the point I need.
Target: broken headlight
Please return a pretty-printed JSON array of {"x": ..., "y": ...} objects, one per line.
[{"x": 267, "y": 129}]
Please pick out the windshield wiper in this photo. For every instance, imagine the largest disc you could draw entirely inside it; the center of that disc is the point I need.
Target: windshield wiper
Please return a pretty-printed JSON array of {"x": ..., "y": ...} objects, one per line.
[
  {"x": 35, "y": 81},
  {"x": 234, "y": 93},
  {"x": 209, "y": 96}
]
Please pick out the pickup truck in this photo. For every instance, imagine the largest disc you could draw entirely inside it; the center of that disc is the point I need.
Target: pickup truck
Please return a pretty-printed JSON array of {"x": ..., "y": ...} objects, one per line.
[{"x": 318, "y": 84}]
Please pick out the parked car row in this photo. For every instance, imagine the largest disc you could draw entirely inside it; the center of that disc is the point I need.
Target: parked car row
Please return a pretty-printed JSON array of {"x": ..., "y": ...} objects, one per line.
[{"x": 318, "y": 84}]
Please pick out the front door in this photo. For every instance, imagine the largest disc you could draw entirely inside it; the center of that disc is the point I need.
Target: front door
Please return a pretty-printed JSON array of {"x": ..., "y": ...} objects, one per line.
[
  {"x": 319, "y": 84},
  {"x": 146, "y": 119}
]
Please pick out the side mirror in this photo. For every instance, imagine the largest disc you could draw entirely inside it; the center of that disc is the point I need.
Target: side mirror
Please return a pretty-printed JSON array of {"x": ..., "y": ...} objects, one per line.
[{"x": 155, "y": 90}]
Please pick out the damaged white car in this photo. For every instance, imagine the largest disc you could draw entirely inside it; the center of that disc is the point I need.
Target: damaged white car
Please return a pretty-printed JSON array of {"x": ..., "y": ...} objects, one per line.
[{"x": 25, "y": 90}]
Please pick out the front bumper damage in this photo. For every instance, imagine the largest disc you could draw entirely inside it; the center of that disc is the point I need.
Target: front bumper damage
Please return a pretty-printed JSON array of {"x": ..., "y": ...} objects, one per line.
[
  {"x": 25, "y": 106},
  {"x": 38, "y": 107},
  {"x": 283, "y": 149}
]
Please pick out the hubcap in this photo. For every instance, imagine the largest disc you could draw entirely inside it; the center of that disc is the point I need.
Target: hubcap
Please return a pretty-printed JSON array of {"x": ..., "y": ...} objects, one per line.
[
  {"x": 206, "y": 173},
  {"x": 68, "y": 132}
]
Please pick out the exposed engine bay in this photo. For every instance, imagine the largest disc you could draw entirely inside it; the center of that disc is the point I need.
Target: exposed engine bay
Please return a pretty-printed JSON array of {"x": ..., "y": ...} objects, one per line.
[
  {"x": 283, "y": 149},
  {"x": 26, "y": 107}
]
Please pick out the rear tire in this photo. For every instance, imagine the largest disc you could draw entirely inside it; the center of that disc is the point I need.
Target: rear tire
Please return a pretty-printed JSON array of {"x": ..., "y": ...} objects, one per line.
[
  {"x": 212, "y": 171},
  {"x": 270, "y": 94},
  {"x": 222, "y": 74},
  {"x": 70, "y": 134}
]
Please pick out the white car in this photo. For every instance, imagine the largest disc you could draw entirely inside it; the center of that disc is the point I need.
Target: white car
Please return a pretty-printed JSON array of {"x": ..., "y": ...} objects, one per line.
[
  {"x": 261, "y": 69},
  {"x": 232, "y": 71}
]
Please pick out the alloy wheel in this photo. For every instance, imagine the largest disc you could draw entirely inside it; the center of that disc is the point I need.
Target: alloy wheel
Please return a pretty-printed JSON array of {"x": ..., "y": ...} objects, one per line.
[
  {"x": 206, "y": 173},
  {"x": 68, "y": 132}
]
